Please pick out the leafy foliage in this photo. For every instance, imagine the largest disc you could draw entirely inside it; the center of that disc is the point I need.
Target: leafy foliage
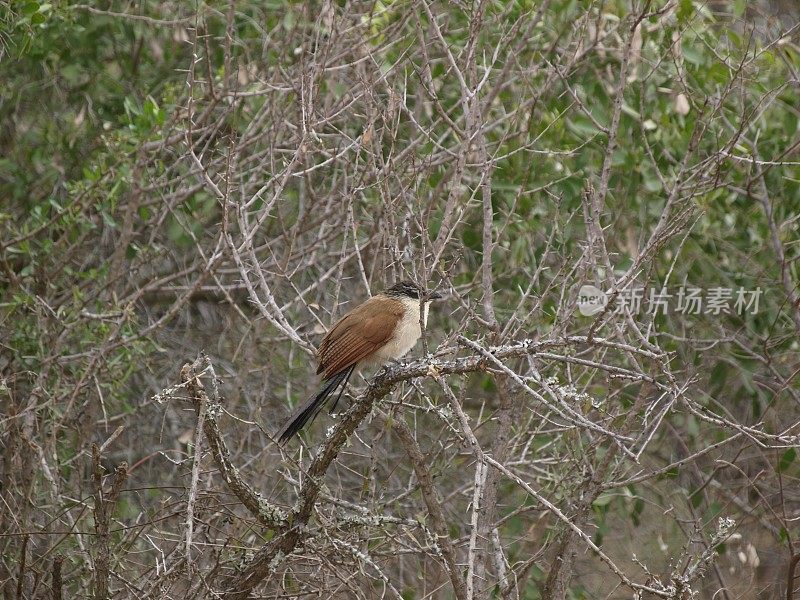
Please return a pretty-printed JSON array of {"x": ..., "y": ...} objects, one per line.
[{"x": 222, "y": 176}]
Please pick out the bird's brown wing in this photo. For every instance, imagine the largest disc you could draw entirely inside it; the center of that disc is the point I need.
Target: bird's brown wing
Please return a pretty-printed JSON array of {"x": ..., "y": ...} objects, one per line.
[{"x": 358, "y": 334}]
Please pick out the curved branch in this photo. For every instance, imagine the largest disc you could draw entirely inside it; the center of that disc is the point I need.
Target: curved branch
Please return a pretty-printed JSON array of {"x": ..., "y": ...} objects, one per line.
[{"x": 292, "y": 531}]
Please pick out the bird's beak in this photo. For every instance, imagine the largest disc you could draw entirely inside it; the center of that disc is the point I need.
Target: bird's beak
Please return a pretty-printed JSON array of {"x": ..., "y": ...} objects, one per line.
[{"x": 434, "y": 295}]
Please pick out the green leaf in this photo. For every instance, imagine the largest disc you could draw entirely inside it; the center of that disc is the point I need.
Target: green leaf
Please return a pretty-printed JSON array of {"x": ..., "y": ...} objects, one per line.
[
  {"x": 471, "y": 239},
  {"x": 288, "y": 20},
  {"x": 108, "y": 220},
  {"x": 787, "y": 458},
  {"x": 685, "y": 10},
  {"x": 603, "y": 500},
  {"x": 582, "y": 127},
  {"x": 693, "y": 55},
  {"x": 652, "y": 183}
]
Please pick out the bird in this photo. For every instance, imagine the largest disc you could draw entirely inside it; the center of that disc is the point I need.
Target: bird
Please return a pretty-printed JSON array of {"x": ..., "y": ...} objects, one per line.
[{"x": 381, "y": 329}]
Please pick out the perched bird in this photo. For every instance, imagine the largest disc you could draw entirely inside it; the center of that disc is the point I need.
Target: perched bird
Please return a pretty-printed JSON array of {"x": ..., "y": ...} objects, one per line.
[{"x": 380, "y": 330}]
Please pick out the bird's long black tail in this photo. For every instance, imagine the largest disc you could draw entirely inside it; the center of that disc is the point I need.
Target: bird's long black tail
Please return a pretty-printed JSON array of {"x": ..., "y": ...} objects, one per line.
[{"x": 309, "y": 409}]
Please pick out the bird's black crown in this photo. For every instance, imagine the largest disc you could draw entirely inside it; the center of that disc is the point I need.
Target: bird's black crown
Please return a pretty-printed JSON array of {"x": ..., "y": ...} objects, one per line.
[{"x": 409, "y": 289}]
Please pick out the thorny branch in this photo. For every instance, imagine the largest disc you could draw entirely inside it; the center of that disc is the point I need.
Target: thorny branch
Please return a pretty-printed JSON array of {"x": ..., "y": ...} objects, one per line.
[{"x": 280, "y": 170}]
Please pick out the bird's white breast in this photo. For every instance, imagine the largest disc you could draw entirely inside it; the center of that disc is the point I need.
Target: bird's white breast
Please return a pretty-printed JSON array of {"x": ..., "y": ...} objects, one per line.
[{"x": 406, "y": 332}]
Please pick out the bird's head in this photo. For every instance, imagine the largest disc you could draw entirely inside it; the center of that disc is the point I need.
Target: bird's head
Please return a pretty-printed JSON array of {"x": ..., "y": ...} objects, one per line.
[{"x": 409, "y": 289}]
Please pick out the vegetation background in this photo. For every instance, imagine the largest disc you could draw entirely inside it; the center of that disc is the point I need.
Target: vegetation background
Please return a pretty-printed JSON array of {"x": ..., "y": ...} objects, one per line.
[{"x": 191, "y": 192}]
